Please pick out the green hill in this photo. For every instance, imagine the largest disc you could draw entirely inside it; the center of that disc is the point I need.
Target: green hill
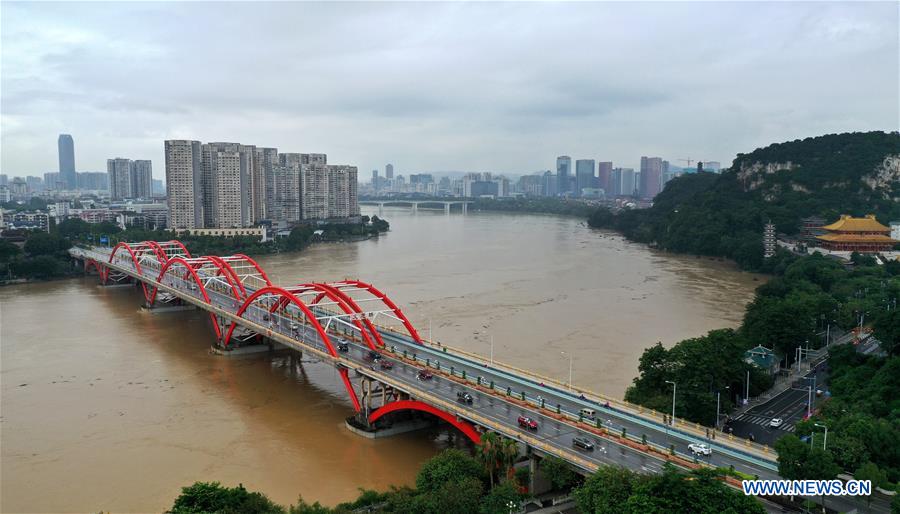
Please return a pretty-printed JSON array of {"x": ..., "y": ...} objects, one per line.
[{"x": 723, "y": 215}]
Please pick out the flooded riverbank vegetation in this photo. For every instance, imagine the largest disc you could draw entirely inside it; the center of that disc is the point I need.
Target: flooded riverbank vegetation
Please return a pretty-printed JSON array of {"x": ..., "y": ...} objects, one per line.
[{"x": 44, "y": 255}]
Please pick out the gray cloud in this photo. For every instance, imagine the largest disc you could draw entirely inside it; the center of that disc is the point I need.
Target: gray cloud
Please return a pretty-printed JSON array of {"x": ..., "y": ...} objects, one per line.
[{"x": 432, "y": 86}]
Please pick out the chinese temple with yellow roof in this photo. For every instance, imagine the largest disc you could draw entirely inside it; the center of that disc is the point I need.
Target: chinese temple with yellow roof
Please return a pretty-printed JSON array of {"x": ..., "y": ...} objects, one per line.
[{"x": 851, "y": 234}]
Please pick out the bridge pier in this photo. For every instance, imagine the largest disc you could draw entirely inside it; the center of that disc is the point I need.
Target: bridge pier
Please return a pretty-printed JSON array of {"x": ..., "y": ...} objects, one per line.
[{"x": 447, "y": 207}]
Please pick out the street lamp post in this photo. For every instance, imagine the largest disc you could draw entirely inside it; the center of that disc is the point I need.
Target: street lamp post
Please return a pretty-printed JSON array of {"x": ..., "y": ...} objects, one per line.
[
  {"x": 824, "y": 441},
  {"x": 718, "y": 395},
  {"x": 674, "y": 388},
  {"x": 570, "y": 368}
]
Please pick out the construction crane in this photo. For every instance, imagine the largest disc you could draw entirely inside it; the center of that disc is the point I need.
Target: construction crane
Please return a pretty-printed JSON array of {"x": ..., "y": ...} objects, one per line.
[{"x": 688, "y": 161}]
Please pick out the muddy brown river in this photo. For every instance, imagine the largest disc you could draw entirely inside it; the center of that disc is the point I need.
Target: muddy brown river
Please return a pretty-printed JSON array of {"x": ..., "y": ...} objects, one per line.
[{"x": 106, "y": 407}]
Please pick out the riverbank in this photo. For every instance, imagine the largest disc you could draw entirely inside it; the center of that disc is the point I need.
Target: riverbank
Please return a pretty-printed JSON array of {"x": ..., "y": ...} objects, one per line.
[{"x": 44, "y": 256}]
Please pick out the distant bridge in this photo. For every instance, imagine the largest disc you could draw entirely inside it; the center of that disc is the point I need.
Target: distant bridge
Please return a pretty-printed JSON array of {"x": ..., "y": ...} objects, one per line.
[
  {"x": 342, "y": 323},
  {"x": 446, "y": 205}
]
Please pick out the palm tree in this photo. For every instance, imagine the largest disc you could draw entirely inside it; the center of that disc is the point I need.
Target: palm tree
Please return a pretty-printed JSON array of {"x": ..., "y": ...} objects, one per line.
[
  {"x": 489, "y": 452},
  {"x": 509, "y": 453}
]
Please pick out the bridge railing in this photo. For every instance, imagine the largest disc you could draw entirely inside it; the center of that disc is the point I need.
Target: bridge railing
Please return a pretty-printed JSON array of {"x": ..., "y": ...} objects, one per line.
[{"x": 686, "y": 427}]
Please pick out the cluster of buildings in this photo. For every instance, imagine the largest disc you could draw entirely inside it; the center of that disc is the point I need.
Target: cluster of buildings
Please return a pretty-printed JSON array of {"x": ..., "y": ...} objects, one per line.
[
  {"x": 586, "y": 179},
  {"x": 849, "y": 234},
  {"x": 232, "y": 185}
]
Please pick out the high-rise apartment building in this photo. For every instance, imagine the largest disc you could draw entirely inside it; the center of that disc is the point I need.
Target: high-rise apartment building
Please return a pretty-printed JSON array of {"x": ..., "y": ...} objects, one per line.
[
  {"x": 389, "y": 171},
  {"x": 184, "y": 184},
  {"x": 120, "y": 174},
  {"x": 235, "y": 185},
  {"x": 604, "y": 173},
  {"x": 66, "y": 147},
  {"x": 142, "y": 179},
  {"x": 226, "y": 176},
  {"x": 563, "y": 171},
  {"x": 624, "y": 181},
  {"x": 584, "y": 175},
  {"x": 261, "y": 185},
  {"x": 651, "y": 177},
  {"x": 86, "y": 180}
]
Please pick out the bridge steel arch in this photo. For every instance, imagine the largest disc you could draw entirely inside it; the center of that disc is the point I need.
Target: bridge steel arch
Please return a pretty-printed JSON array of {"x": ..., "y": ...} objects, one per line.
[
  {"x": 191, "y": 272},
  {"x": 134, "y": 253},
  {"x": 280, "y": 293},
  {"x": 349, "y": 285},
  {"x": 463, "y": 426},
  {"x": 324, "y": 291},
  {"x": 353, "y": 305}
]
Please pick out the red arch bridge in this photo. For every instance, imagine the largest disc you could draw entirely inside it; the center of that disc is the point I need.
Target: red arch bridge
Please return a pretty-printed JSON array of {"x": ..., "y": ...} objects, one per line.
[{"x": 350, "y": 324}]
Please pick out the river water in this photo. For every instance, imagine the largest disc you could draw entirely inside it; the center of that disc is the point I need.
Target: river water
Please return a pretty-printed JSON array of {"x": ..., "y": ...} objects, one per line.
[{"x": 106, "y": 407}]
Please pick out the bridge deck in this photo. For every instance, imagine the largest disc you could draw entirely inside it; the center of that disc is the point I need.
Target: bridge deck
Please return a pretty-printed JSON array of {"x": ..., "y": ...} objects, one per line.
[{"x": 455, "y": 371}]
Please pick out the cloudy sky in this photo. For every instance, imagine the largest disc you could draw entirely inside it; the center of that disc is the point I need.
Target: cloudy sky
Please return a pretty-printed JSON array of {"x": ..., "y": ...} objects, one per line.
[{"x": 441, "y": 86}]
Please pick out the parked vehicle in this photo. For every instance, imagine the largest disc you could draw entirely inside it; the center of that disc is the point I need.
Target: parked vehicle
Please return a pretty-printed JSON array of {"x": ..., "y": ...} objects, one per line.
[
  {"x": 526, "y": 422},
  {"x": 584, "y": 443},
  {"x": 776, "y": 422},
  {"x": 464, "y": 397},
  {"x": 424, "y": 374},
  {"x": 700, "y": 449}
]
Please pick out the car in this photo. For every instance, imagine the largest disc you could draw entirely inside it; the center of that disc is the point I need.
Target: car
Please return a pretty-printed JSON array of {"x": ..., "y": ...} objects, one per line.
[
  {"x": 776, "y": 422},
  {"x": 343, "y": 347},
  {"x": 386, "y": 365},
  {"x": 526, "y": 422},
  {"x": 373, "y": 355},
  {"x": 424, "y": 374},
  {"x": 583, "y": 442},
  {"x": 700, "y": 449},
  {"x": 464, "y": 397}
]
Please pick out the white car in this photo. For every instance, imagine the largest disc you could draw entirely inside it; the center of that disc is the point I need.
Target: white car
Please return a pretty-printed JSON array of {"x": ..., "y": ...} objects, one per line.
[
  {"x": 776, "y": 422},
  {"x": 700, "y": 449}
]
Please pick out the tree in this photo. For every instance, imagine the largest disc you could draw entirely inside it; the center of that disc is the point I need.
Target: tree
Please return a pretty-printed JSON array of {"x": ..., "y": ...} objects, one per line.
[
  {"x": 558, "y": 472},
  {"x": 606, "y": 491},
  {"x": 887, "y": 330},
  {"x": 792, "y": 455},
  {"x": 42, "y": 243},
  {"x": 870, "y": 471},
  {"x": 489, "y": 454},
  {"x": 460, "y": 495},
  {"x": 509, "y": 453},
  {"x": 203, "y": 497},
  {"x": 8, "y": 251},
  {"x": 448, "y": 466},
  {"x": 497, "y": 500}
]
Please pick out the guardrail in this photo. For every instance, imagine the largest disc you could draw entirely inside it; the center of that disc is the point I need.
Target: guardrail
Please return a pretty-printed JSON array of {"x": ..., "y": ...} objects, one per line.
[{"x": 572, "y": 417}]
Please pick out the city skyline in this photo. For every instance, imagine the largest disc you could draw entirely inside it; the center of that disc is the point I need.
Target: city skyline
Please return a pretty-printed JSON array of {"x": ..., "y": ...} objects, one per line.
[{"x": 487, "y": 115}]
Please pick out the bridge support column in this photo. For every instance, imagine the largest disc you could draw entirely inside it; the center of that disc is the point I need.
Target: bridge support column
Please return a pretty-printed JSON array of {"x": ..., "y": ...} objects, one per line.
[
  {"x": 415, "y": 207},
  {"x": 447, "y": 207},
  {"x": 465, "y": 207}
]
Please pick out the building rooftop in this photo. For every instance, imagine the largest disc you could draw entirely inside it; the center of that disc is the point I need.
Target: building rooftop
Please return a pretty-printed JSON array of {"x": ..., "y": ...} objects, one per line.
[
  {"x": 856, "y": 238},
  {"x": 761, "y": 357},
  {"x": 848, "y": 223}
]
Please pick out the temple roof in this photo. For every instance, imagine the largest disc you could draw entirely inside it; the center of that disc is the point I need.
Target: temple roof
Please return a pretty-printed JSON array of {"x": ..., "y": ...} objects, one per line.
[
  {"x": 848, "y": 223},
  {"x": 857, "y": 238}
]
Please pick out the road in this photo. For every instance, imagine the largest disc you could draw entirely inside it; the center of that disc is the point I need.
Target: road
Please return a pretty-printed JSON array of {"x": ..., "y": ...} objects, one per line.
[
  {"x": 497, "y": 408},
  {"x": 790, "y": 406}
]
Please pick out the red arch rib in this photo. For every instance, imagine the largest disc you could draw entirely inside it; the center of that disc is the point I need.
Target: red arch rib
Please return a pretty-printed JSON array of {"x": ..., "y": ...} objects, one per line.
[
  {"x": 233, "y": 280},
  {"x": 313, "y": 321},
  {"x": 344, "y": 305},
  {"x": 255, "y": 265},
  {"x": 391, "y": 305},
  {"x": 181, "y": 245},
  {"x": 137, "y": 265},
  {"x": 290, "y": 298},
  {"x": 355, "y": 306},
  {"x": 160, "y": 253},
  {"x": 181, "y": 261},
  {"x": 464, "y": 426}
]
